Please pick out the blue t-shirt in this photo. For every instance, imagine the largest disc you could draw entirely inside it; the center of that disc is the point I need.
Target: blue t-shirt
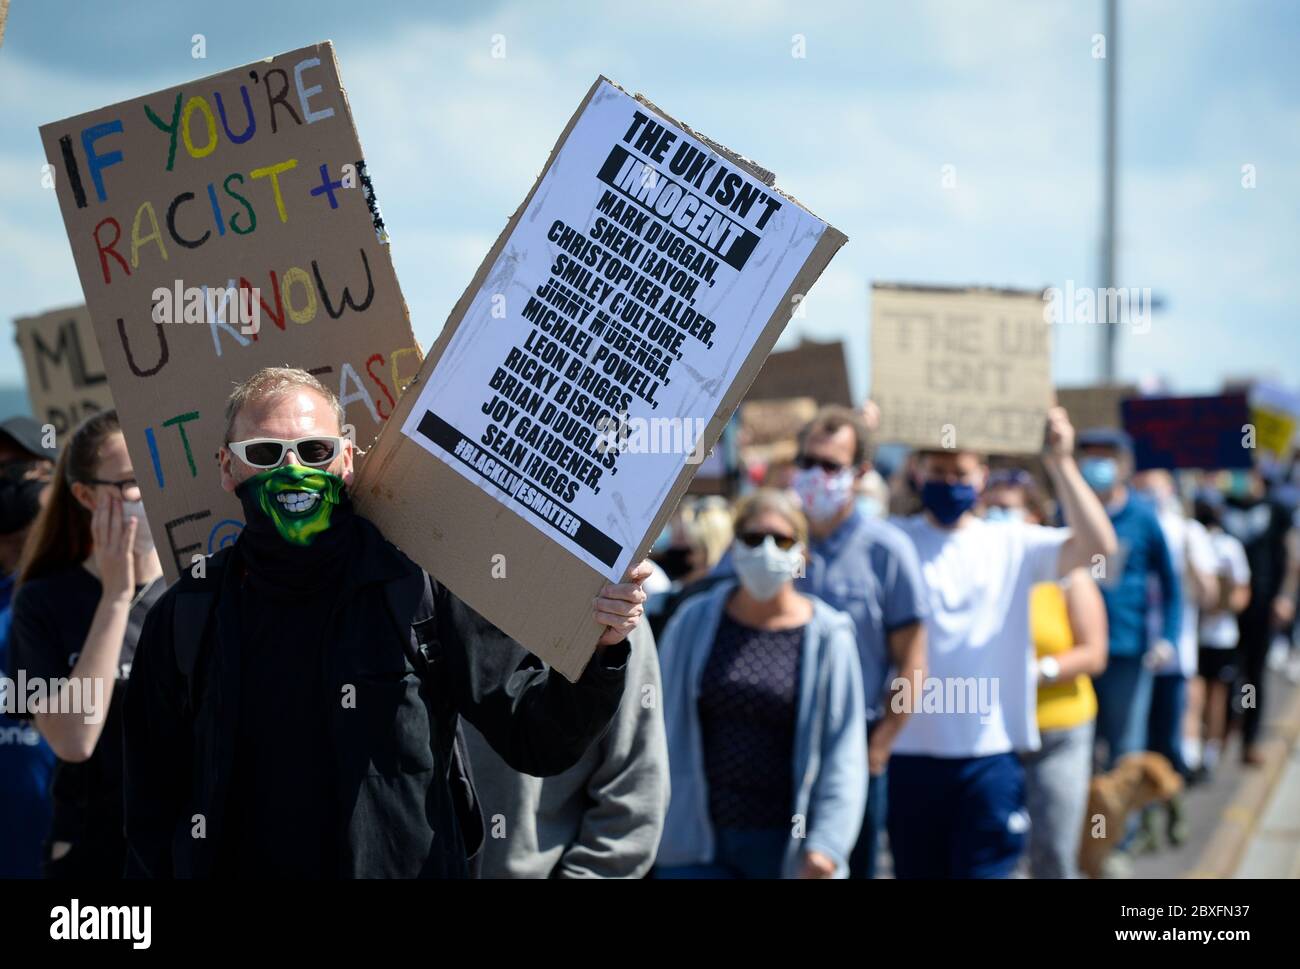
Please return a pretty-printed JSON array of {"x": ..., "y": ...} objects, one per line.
[
  {"x": 869, "y": 569},
  {"x": 1142, "y": 552},
  {"x": 26, "y": 773}
]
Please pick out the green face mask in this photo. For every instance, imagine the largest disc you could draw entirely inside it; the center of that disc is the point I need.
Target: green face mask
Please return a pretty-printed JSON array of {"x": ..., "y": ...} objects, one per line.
[{"x": 299, "y": 501}]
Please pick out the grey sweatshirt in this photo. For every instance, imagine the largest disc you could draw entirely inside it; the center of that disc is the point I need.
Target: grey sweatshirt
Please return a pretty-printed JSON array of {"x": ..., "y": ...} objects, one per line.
[{"x": 601, "y": 818}]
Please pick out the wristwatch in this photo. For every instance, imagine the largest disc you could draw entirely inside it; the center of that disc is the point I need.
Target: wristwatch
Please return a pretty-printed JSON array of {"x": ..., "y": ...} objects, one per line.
[{"x": 1049, "y": 668}]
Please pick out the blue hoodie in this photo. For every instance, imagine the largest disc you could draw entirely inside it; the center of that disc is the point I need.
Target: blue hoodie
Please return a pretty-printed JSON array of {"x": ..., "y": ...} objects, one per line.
[
  {"x": 1142, "y": 552},
  {"x": 829, "y": 772}
]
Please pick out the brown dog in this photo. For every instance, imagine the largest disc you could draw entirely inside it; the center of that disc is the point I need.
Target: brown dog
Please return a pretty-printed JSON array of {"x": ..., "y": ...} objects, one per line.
[{"x": 1137, "y": 780}]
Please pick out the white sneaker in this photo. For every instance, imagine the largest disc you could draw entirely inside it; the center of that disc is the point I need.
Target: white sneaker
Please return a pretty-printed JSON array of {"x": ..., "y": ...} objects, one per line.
[
  {"x": 1118, "y": 864},
  {"x": 1293, "y": 668},
  {"x": 1278, "y": 654}
]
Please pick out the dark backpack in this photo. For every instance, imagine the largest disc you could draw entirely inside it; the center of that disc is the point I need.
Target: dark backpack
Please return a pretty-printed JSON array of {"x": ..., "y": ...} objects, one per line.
[{"x": 190, "y": 617}]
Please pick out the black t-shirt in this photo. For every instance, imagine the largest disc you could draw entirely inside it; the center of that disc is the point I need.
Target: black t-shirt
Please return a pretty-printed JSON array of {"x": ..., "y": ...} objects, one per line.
[
  {"x": 51, "y": 619},
  {"x": 1261, "y": 526},
  {"x": 748, "y": 706},
  {"x": 280, "y": 817}
]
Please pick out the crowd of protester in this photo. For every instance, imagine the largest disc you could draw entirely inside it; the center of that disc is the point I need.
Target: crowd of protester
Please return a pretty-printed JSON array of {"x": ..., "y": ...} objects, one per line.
[
  {"x": 845, "y": 664},
  {"x": 1111, "y": 608}
]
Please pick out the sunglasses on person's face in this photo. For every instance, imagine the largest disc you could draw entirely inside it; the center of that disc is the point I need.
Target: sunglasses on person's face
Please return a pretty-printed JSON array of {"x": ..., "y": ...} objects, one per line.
[
  {"x": 755, "y": 539},
  {"x": 267, "y": 452},
  {"x": 806, "y": 463}
]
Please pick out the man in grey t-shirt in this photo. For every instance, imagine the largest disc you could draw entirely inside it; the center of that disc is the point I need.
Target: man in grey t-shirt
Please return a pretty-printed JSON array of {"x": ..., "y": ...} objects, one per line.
[
  {"x": 868, "y": 569},
  {"x": 601, "y": 818}
]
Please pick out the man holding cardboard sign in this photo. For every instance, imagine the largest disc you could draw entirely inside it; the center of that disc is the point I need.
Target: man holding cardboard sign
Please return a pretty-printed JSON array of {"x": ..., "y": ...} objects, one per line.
[
  {"x": 956, "y": 787},
  {"x": 590, "y": 365},
  {"x": 295, "y": 709}
]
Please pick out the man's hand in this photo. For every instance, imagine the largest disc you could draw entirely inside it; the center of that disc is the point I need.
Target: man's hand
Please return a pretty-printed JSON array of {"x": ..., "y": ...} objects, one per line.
[
  {"x": 1160, "y": 655},
  {"x": 877, "y": 758},
  {"x": 817, "y": 865},
  {"x": 1058, "y": 437},
  {"x": 620, "y": 607},
  {"x": 871, "y": 415},
  {"x": 1283, "y": 612}
]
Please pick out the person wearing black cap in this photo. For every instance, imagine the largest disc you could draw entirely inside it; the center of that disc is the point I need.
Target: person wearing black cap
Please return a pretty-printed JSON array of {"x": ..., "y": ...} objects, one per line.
[
  {"x": 26, "y": 760},
  {"x": 22, "y": 439},
  {"x": 1124, "y": 689}
]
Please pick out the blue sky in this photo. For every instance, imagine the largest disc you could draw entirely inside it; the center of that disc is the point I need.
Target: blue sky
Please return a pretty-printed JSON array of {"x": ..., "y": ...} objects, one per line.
[{"x": 860, "y": 129}]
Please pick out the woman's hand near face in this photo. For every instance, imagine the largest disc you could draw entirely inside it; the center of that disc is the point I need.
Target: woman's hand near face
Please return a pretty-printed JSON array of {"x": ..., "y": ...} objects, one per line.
[{"x": 114, "y": 537}]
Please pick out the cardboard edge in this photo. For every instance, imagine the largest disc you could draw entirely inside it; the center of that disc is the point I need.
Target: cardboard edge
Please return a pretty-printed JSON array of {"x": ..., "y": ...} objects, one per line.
[
  {"x": 186, "y": 82},
  {"x": 974, "y": 289}
]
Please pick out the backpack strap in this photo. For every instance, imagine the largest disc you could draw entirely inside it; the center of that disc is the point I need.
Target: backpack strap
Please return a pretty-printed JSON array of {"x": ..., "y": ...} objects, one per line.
[{"x": 425, "y": 651}]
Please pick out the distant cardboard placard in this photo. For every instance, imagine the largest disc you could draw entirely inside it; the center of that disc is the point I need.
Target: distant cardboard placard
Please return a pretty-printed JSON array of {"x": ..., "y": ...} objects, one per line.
[
  {"x": 596, "y": 355},
  {"x": 811, "y": 369},
  {"x": 66, "y": 382},
  {"x": 961, "y": 368},
  {"x": 1095, "y": 407},
  {"x": 252, "y": 180},
  {"x": 770, "y": 428},
  {"x": 1188, "y": 432}
]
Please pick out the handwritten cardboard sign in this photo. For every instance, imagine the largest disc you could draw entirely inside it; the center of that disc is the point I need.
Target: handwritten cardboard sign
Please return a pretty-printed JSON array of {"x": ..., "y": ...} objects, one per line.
[
  {"x": 588, "y": 368},
  {"x": 960, "y": 368},
  {"x": 1188, "y": 432},
  {"x": 250, "y": 182},
  {"x": 66, "y": 382}
]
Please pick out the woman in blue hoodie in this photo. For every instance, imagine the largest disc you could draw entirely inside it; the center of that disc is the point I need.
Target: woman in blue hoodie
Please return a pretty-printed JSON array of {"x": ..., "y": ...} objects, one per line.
[{"x": 766, "y": 721}]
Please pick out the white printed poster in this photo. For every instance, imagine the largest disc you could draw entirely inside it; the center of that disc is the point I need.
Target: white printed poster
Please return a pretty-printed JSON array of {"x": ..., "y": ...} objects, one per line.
[{"x": 607, "y": 333}]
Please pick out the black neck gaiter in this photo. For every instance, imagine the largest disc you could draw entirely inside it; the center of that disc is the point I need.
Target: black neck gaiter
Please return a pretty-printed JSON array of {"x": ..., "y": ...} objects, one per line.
[{"x": 298, "y": 531}]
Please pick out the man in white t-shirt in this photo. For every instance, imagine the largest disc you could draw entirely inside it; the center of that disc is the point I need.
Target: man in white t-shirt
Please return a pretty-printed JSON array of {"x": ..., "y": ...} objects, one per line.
[{"x": 957, "y": 809}]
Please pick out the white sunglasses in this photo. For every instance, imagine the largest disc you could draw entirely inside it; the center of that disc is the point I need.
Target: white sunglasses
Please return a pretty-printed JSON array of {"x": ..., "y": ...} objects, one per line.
[{"x": 315, "y": 451}]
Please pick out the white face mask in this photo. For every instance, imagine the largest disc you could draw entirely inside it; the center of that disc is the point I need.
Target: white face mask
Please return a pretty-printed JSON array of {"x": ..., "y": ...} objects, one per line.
[
  {"x": 999, "y": 514},
  {"x": 143, "y": 537},
  {"x": 823, "y": 495},
  {"x": 763, "y": 570}
]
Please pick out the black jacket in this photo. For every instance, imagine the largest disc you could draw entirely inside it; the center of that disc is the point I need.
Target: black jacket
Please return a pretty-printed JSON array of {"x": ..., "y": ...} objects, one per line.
[{"x": 403, "y": 807}]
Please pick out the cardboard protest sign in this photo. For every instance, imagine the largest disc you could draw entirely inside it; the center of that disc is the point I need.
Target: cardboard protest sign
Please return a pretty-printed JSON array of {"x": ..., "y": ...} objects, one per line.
[
  {"x": 219, "y": 227},
  {"x": 811, "y": 369},
  {"x": 1209, "y": 433},
  {"x": 1095, "y": 407},
  {"x": 592, "y": 362},
  {"x": 961, "y": 368},
  {"x": 65, "y": 375},
  {"x": 1275, "y": 413},
  {"x": 769, "y": 429}
]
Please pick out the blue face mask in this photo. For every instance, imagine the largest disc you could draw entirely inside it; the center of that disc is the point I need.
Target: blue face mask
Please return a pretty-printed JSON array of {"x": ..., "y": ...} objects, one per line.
[
  {"x": 947, "y": 502},
  {"x": 1100, "y": 473},
  {"x": 1239, "y": 485},
  {"x": 870, "y": 507}
]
